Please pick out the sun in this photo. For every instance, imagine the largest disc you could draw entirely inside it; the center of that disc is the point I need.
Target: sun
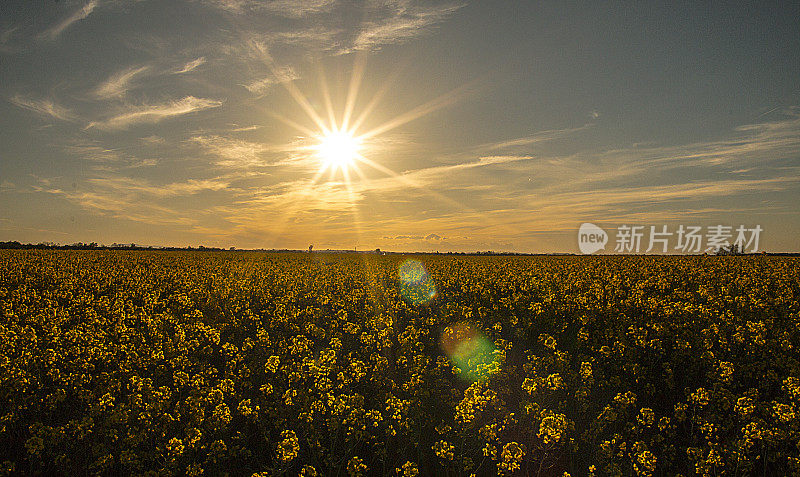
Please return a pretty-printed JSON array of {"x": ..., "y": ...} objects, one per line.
[
  {"x": 338, "y": 149},
  {"x": 340, "y": 143}
]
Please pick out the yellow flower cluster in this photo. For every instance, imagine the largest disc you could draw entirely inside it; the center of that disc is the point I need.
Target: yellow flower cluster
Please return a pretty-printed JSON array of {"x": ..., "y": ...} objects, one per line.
[
  {"x": 215, "y": 363},
  {"x": 409, "y": 469},
  {"x": 288, "y": 446},
  {"x": 510, "y": 458},
  {"x": 444, "y": 450},
  {"x": 356, "y": 467}
]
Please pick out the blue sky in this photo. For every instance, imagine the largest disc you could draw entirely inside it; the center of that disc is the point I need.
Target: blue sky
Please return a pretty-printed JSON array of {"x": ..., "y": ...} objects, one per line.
[{"x": 483, "y": 125}]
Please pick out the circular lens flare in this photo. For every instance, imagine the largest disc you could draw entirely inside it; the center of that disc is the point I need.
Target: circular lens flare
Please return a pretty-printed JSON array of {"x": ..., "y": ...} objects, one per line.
[
  {"x": 473, "y": 354},
  {"x": 338, "y": 149},
  {"x": 415, "y": 284}
]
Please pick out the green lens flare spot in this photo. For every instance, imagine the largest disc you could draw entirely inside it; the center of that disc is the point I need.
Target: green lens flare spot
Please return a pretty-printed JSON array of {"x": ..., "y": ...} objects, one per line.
[
  {"x": 473, "y": 354},
  {"x": 416, "y": 286}
]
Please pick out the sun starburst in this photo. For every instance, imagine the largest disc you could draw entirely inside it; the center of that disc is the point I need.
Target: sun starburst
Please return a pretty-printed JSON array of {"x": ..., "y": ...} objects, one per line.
[
  {"x": 342, "y": 146},
  {"x": 338, "y": 149}
]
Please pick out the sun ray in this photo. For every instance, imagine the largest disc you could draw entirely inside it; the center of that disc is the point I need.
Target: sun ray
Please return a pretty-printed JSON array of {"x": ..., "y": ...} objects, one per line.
[
  {"x": 359, "y": 62},
  {"x": 280, "y": 225},
  {"x": 377, "y": 166},
  {"x": 298, "y": 126},
  {"x": 442, "y": 101},
  {"x": 300, "y": 99},
  {"x": 409, "y": 182},
  {"x": 326, "y": 98},
  {"x": 358, "y": 170},
  {"x": 376, "y": 98},
  {"x": 357, "y": 223},
  {"x": 289, "y": 86}
]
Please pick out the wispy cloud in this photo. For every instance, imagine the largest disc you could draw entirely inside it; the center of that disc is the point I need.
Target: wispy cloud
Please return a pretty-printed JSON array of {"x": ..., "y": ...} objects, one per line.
[
  {"x": 5, "y": 38},
  {"x": 400, "y": 21},
  {"x": 93, "y": 151},
  {"x": 234, "y": 6},
  {"x": 78, "y": 15},
  {"x": 429, "y": 175},
  {"x": 327, "y": 196},
  {"x": 172, "y": 189},
  {"x": 428, "y": 237},
  {"x": 117, "y": 85},
  {"x": 104, "y": 158},
  {"x": 43, "y": 107},
  {"x": 155, "y": 113},
  {"x": 280, "y": 75},
  {"x": 339, "y": 198},
  {"x": 236, "y": 153},
  {"x": 535, "y": 138},
  {"x": 127, "y": 207},
  {"x": 561, "y": 211},
  {"x": 252, "y": 127},
  {"x": 153, "y": 140},
  {"x": 602, "y": 199},
  {"x": 384, "y": 23},
  {"x": 139, "y": 200},
  {"x": 297, "y": 8},
  {"x": 748, "y": 148},
  {"x": 190, "y": 66},
  {"x": 284, "y": 8},
  {"x": 312, "y": 37}
]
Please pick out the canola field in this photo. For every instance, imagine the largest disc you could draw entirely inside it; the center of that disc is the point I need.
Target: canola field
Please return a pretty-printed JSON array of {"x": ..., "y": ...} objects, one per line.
[{"x": 215, "y": 363}]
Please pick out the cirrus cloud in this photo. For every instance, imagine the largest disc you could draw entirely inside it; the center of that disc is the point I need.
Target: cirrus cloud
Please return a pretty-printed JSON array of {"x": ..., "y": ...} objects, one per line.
[
  {"x": 155, "y": 113},
  {"x": 43, "y": 107},
  {"x": 53, "y": 32}
]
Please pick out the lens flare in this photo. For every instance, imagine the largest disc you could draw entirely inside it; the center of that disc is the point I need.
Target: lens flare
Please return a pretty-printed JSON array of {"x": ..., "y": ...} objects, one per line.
[
  {"x": 473, "y": 354},
  {"x": 416, "y": 285}
]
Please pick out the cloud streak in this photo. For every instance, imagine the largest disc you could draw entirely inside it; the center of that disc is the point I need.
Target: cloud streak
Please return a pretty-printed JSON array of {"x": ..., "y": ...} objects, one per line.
[
  {"x": 297, "y": 8},
  {"x": 42, "y": 107},
  {"x": 5, "y": 38},
  {"x": 139, "y": 200},
  {"x": 536, "y": 138},
  {"x": 400, "y": 22},
  {"x": 235, "y": 153},
  {"x": 283, "y": 8},
  {"x": 78, "y": 15},
  {"x": 191, "y": 66},
  {"x": 279, "y": 75},
  {"x": 118, "y": 84},
  {"x": 150, "y": 114},
  {"x": 318, "y": 25},
  {"x": 126, "y": 185},
  {"x": 93, "y": 152}
]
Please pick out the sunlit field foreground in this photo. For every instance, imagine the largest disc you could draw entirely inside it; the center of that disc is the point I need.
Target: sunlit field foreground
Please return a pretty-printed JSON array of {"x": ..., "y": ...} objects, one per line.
[{"x": 166, "y": 363}]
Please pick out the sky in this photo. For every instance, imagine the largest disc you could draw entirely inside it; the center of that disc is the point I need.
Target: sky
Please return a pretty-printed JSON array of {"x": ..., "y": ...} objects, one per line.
[{"x": 475, "y": 126}]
